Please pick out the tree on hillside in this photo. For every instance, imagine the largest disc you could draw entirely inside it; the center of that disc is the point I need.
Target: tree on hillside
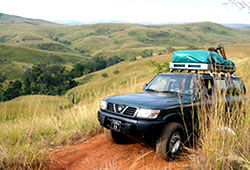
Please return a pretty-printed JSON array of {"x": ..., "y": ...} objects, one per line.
[
  {"x": 3, "y": 77},
  {"x": 14, "y": 90},
  {"x": 77, "y": 70},
  {"x": 92, "y": 65},
  {"x": 43, "y": 79},
  {"x": 113, "y": 60}
]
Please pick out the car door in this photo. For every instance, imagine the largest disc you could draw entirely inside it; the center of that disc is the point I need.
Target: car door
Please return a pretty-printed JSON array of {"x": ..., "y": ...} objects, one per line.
[{"x": 236, "y": 91}]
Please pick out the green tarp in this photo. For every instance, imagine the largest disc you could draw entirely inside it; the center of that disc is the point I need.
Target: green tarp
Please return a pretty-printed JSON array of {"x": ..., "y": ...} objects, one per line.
[
  {"x": 199, "y": 56},
  {"x": 229, "y": 63}
]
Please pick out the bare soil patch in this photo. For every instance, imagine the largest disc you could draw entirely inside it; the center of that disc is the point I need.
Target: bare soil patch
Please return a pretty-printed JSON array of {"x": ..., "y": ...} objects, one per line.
[{"x": 99, "y": 153}]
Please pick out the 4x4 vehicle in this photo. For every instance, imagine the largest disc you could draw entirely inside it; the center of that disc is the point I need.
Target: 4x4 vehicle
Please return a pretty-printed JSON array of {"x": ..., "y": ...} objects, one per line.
[{"x": 167, "y": 107}]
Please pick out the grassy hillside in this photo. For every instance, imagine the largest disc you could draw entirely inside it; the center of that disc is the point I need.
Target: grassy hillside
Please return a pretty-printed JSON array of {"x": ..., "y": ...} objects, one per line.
[
  {"x": 12, "y": 19},
  {"x": 97, "y": 38},
  {"x": 30, "y": 41},
  {"x": 14, "y": 58},
  {"x": 31, "y": 125},
  {"x": 34, "y": 56}
]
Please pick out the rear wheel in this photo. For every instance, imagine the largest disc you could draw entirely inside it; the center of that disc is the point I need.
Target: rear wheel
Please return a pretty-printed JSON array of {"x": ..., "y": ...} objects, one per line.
[
  {"x": 115, "y": 137},
  {"x": 169, "y": 144}
]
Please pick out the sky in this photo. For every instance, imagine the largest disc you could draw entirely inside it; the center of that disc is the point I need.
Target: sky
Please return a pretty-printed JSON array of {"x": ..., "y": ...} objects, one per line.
[{"x": 131, "y": 11}]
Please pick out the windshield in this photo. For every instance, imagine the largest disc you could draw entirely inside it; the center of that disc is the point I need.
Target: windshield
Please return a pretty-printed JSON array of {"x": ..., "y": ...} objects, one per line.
[{"x": 174, "y": 84}]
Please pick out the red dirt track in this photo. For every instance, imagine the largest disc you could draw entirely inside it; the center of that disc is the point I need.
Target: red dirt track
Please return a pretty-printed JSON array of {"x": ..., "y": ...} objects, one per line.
[{"x": 98, "y": 153}]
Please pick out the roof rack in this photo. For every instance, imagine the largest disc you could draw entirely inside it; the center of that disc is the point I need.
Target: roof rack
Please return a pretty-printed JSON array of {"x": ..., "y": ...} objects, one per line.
[
  {"x": 202, "y": 67},
  {"x": 219, "y": 50}
]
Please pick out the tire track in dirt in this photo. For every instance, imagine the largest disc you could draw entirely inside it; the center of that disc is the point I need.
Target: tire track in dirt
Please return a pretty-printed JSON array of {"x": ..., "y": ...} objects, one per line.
[{"x": 99, "y": 153}]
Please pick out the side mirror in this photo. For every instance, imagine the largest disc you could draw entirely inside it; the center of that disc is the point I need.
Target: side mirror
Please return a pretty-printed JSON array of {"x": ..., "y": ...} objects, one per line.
[{"x": 145, "y": 85}]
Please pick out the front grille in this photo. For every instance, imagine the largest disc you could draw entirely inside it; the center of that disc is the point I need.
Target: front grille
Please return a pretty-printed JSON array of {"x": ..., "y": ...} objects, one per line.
[
  {"x": 130, "y": 111},
  {"x": 121, "y": 109},
  {"x": 110, "y": 107}
]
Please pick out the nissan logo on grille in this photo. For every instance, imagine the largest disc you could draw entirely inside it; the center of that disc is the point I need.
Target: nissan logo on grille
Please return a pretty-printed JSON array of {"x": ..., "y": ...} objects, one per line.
[{"x": 119, "y": 108}]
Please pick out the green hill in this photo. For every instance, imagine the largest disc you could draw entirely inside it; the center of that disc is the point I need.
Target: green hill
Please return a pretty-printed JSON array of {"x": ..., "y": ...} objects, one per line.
[
  {"x": 35, "y": 56},
  {"x": 12, "y": 19},
  {"x": 93, "y": 39},
  {"x": 97, "y": 38},
  {"x": 14, "y": 59},
  {"x": 30, "y": 41}
]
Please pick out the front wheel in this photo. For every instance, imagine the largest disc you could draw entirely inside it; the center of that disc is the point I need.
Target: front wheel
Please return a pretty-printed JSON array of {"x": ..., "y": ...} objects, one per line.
[{"x": 169, "y": 144}]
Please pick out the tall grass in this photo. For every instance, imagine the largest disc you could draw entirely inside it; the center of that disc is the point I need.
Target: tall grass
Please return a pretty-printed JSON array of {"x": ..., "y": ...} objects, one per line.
[
  {"x": 36, "y": 126},
  {"x": 223, "y": 136}
]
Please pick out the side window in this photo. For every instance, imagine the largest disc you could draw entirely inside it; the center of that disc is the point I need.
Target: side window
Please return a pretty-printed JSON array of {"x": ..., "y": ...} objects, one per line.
[
  {"x": 209, "y": 86},
  {"x": 231, "y": 87},
  {"x": 203, "y": 86},
  {"x": 238, "y": 87},
  {"x": 221, "y": 86}
]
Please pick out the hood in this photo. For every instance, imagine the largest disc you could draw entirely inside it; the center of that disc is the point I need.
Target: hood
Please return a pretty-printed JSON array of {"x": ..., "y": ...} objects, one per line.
[{"x": 149, "y": 100}]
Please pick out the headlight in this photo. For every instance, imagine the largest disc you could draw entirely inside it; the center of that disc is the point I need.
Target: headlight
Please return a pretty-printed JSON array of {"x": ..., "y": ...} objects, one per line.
[
  {"x": 103, "y": 105},
  {"x": 148, "y": 113}
]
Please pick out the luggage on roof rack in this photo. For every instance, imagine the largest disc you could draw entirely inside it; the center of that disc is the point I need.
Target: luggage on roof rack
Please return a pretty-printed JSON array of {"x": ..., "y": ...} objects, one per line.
[{"x": 201, "y": 60}]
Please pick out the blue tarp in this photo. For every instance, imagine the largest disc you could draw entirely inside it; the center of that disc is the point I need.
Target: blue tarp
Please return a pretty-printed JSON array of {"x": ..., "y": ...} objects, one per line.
[{"x": 199, "y": 56}]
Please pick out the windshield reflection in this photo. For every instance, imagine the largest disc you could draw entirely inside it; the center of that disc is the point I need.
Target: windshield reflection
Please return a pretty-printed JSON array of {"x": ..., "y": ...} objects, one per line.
[{"x": 171, "y": 84}]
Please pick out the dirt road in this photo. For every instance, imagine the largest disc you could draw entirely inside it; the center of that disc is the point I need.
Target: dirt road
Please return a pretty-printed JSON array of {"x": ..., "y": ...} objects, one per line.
[{"x": 98, "y": 153}]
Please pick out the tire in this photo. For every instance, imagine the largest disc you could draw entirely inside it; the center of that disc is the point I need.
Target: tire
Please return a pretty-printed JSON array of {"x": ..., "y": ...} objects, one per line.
[
  {"x": 170, "y": 142},
  {"x": 115, "y": 137}
]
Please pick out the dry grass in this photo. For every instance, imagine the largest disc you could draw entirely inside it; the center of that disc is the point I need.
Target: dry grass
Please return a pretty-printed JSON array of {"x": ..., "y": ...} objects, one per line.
[
  {"x": 217, "y": 147},
  {"x": 223, "y": 136},
  {"x": 26, "y": 138}
]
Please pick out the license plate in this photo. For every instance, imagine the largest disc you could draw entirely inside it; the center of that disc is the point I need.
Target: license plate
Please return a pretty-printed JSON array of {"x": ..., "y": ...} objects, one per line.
[{"x": 116, "y": 124}]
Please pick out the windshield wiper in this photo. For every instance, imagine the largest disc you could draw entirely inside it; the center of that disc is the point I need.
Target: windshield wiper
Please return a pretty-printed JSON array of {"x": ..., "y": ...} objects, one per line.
[
  {"x": 151, "y": 90},
  {"x": 174, "y": 92}
]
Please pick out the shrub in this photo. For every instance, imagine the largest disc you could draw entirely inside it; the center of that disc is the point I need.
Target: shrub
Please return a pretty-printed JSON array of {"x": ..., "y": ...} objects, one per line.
[
  {"x": 104, "y": 75},
  {"x": 159, "y": 68},
  {"x": 132, "y": 59},
  {"x": 116, "y": 72},
  {"x": 147, "y": 53},
  {"x": 170, "y": 50}
]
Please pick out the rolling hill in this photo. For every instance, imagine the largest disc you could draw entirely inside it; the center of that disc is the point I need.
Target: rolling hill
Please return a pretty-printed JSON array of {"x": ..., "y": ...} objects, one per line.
[
  {"x": 30, "y": 41},
  {"x": 12, "y": 19}
]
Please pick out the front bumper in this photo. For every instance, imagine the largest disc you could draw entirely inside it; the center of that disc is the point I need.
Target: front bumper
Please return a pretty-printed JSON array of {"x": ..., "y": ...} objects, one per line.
[{"x": 131, "y": 126}]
